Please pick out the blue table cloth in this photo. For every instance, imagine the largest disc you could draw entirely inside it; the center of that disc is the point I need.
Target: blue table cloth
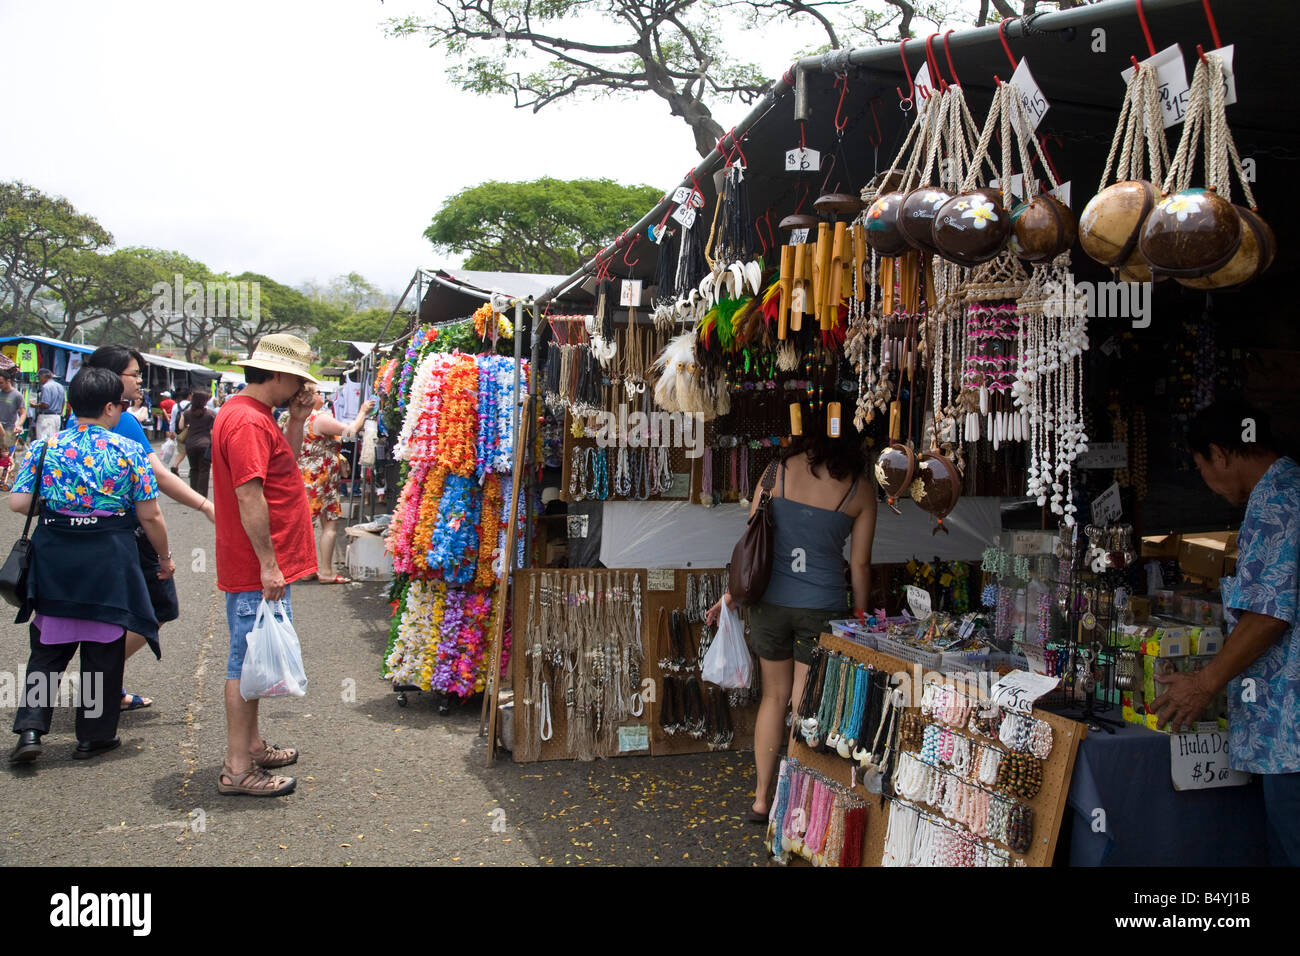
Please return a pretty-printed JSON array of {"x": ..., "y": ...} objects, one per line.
[{"x": 1148, "y": 822}]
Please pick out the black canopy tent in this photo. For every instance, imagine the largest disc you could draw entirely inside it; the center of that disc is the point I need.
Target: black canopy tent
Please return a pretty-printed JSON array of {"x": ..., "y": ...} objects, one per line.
[{"x": 1076, "y": 57}]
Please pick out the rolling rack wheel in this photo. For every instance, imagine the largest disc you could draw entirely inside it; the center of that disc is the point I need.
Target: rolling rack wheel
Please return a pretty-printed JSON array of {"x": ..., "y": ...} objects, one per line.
[{"x": 402, "y": 690}]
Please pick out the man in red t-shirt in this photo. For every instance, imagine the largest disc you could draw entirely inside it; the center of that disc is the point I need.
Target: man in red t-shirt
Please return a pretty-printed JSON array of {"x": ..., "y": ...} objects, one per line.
[{"x": 264, "y": 536}]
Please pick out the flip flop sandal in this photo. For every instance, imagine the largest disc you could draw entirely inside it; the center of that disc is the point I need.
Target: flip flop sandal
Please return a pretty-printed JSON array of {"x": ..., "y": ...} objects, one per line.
[
  {"x": 254, "y": 782},
  {"x": 273, "y": 757},
  {"x": 136, "y": 702}
]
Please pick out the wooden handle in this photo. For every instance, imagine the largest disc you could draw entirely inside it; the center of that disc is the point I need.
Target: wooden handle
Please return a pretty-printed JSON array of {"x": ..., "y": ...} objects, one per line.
[
  {"x": 887, "y": 286},
  {"x": 787, "y": 284}
]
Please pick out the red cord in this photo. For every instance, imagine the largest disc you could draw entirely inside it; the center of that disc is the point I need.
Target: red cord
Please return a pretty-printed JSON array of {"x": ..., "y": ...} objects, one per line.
[
  {"x": 948, "y": 53},
  {"x": 1214, "y": 27},
  {"x": 1146, "y": 30},
  {"x": 1002, "y": 35}
]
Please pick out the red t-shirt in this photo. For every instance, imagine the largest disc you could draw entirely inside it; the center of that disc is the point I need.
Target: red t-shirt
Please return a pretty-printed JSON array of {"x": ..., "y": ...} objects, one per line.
[
  {"x": 247, "y": 444},
  {"x": 167, "y": 405}
]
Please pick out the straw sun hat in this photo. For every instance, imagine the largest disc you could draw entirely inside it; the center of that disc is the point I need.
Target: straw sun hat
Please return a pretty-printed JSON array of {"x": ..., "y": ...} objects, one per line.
[{"x": 281, "y": 353}]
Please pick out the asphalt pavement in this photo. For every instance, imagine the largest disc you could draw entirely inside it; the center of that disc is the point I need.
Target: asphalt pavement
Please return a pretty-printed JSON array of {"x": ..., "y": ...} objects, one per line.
[{"x": 378, "y": 784}]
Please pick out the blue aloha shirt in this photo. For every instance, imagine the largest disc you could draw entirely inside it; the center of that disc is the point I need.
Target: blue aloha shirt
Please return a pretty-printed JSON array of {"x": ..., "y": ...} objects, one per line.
[
  {"x": 89, "y": 468},
  {"x": 1264, "y": 734}
]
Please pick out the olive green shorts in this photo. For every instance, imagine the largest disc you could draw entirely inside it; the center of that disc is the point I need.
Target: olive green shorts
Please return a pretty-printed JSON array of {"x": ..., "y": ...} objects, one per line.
[{"x": 776, "y": 632}]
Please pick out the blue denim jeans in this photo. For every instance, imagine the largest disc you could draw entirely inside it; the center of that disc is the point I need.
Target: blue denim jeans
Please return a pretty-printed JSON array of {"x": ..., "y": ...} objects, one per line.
[
  {"x": 1282, "y": 810},
  {"x": 241, "y": 611}
]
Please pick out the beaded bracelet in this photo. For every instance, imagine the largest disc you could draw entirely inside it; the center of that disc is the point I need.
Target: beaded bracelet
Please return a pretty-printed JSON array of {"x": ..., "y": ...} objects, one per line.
[
  {"x": 1040, "y": 740},
  {"x": 1020, "y": 827}
]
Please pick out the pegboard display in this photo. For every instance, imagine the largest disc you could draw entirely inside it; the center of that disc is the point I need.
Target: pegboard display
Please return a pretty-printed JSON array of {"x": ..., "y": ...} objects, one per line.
[
  {"x": 556, "y": 626},
  {"x": 673, "y": 664},
  {"x": 1047, "y": 803}
]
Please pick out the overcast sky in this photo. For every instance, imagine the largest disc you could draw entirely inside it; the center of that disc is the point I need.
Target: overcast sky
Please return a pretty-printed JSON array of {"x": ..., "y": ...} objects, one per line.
[{"x": 287, "y": 137}]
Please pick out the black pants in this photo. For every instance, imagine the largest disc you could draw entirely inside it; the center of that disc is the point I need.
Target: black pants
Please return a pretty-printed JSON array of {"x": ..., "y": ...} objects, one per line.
[
  {"x": 99, "y": 703},
  {"x": 199, "y": 465}
]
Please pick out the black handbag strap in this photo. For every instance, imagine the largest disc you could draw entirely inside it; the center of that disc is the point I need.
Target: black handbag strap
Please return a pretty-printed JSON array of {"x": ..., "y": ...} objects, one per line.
[
  {"x": 36, "y": 489},
  {"x": 769, "y": 479}
]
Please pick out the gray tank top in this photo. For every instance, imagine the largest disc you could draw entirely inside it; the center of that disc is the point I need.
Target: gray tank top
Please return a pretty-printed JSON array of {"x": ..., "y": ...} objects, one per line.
[{"x": 808, "y": 553}]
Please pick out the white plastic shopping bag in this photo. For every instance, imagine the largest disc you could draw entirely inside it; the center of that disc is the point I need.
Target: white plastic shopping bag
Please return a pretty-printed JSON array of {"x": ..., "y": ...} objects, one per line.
[
  {"x": 727, "y": 663},
  {"x": 273, "y": 662}
]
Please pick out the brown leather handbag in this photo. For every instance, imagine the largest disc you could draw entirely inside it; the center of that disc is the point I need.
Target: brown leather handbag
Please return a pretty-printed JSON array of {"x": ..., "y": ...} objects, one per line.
[{"x": 751, "y": 560}]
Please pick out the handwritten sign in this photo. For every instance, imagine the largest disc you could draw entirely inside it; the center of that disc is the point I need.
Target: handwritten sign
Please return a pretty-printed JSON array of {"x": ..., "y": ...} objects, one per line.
[
  {"x": 798, "y": 237},
  {"x": 919, "y": 601},
  {"x": 630, "y": 292},
  {"x": 1171, "y": 74},
  {"x": 1031, "y": 96},
  {"x": 1018, "y": 690},
  {"x": 1230, "y": 79},
  {"x": 1200, "y": 762},
  {"x": 634, "y": 738},
  {"x": 1103, "y": 454},
  {"x": 685, "y": 215},
  {"x": 1033, "y": 542},
  {"x": 802, "y": 160},
  {"x": 1106, "y": 506},
  {"x": 661, "y": 579}
]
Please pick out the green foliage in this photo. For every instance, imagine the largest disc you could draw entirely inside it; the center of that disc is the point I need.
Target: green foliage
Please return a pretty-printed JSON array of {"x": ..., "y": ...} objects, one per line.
[
  {"x": 545, "y": 226},
  {"x": 360, "y": 327}
]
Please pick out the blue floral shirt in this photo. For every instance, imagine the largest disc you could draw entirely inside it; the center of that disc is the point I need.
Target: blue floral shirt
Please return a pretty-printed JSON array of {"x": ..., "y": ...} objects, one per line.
[
  {"x": 1264, "y": 700},
  {"x": 89, "y": 468}
]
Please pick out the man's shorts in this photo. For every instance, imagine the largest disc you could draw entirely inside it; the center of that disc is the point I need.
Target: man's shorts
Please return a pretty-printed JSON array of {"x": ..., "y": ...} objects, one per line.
[
  {"x": 777, "y": 633},
  {"x": 241, "y": 611}
]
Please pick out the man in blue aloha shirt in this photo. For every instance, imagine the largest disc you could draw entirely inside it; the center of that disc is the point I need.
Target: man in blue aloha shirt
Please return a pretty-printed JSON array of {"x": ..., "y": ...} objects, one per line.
[{"x": 1260, "y": 662}]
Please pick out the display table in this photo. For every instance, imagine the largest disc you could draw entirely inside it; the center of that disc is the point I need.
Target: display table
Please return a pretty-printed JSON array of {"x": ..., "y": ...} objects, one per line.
[{"x": 1147, "y": 821}]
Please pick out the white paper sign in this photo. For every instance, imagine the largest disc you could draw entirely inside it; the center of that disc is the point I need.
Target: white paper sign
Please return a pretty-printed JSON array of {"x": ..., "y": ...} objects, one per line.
[
  {"x": 1018, "y": 690},
  {"x": 1017, "y": 187},
  {"x": 1035, "y": 657},
  {"x": 1033, "y": 542},
  {"x": 630, "y": 292},
  {"x": 919, "y": 601},
  {"x": 660, "y": 579},
  {"x": 1230, "y": 80},
  {"x": 1104, "y": 454},
  {"x": 680, "y": 194},
  {"x": 1106, "y": 506},
  {"x": 657, "y": 233},
  {"x": 1200, "y": 762},
  {"x": 1036, "y": 104},
  {"x": 685, "y": 215},
  {"x": 802, "y": 160},
  {"x": 1062, "y": 192},
  {"x": 1172, "y": 75},
  {"x": 798, "y": 237},
  {"x": 922, "y": 81},
  {"x": 697, "y": 199}
]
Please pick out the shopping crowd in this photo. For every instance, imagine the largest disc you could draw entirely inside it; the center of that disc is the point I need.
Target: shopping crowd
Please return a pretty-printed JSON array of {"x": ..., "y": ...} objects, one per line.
[{"x": 97, "y": 481}]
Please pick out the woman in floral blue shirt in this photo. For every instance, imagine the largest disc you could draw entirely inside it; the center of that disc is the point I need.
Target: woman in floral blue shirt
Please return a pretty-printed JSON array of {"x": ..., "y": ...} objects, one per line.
[
  {"x": 85, "y": 584},
  {"x": 1260, "y": 661}
]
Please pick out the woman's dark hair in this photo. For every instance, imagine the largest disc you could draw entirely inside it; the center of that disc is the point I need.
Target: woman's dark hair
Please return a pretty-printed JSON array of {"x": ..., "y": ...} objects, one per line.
[
  {"x": 115, "y": 358},
  {"x": 1234, "y": 426},
  {"x": 198, "y": 399},
  {"x": 843, "y": 457},
  {"x": 92, "y": 388}
]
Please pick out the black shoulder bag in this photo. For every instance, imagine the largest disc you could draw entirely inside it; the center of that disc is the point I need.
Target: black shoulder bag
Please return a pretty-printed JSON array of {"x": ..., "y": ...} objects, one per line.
[{"x": 13, "y": 574}]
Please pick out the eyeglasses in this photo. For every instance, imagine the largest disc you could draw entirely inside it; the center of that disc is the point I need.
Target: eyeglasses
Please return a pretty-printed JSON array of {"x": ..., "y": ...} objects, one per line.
[{"x": 135, "y": 375}]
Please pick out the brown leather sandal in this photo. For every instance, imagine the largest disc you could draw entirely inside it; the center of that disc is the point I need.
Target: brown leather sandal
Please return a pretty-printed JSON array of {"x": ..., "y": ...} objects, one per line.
[
  {"x": 254, "y": 782},
  {"x": 273, "y": 757}
]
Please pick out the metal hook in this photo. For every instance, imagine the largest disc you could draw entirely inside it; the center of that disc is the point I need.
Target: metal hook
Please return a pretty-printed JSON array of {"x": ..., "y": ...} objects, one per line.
[
  {"x": 911, "y": 88},
  {"x": 948, "y": 53}
]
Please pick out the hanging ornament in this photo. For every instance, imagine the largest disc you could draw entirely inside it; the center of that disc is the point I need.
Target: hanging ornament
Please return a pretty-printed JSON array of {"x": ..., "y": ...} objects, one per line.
[{"x": 1112, "y": 221}]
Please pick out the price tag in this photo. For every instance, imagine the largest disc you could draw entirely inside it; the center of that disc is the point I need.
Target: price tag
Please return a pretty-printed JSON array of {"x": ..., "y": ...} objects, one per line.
[
  {"x": 1200, "y": 761},
  {"x": 697, "y": 199},
  {"x": 630, "y": 292},
  {"x": 685, "y": 215},
  {"x": 1036, "y": 659},
  {"x": 1033, "y": 542},
  {"x": 1104, "y": 454},
  {"x": 1230, "y": 80},
  {"x": 1106, "y": 506},
  {"x": 1017, "y": 187},
  {"x": 919, "y": 601},
  {"x": 798, "y": 237},
  {"x": 657, "y": 233},
  {"x": 802, "y": 160},
  {"x": 923, "y": 82},
  {"x": 1036, "y": 104},
  {"x": 661, "y": 579},
  {"x": 680, "y": 194},
  {"x": 1018, "y": 690},
  {"x": 1062, "y": 192},
  {"x": 577, "y": 526},
  {"x": 1172, "y": 76}
]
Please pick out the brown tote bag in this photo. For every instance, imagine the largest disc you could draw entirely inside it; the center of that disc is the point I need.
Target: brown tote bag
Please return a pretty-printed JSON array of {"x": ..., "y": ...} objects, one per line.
[{"x": 751, "y": 560}]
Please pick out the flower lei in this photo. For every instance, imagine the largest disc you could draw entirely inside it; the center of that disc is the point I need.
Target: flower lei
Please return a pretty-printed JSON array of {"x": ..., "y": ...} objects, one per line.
[
  {"x": 488, "y": 418},
  {"x": 384, "y": 377},
  {"x": 454, "y": 543},
  {"x": 456, "y": 443},
  {"x": 459, "y": 662},
  {"x": 489, "y": 549},
  {"x": 410, "y": 661},
  {"x": 418, "y": 341}
]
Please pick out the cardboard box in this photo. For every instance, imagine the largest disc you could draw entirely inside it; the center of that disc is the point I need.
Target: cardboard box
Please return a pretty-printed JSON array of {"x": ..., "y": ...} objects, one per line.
[
  {"x": 1168, "y": 641},
  {"x": 1207, "y": 556},
  {"x": 1205, "y": 641},
  {"x": 1160, "y": 546}
]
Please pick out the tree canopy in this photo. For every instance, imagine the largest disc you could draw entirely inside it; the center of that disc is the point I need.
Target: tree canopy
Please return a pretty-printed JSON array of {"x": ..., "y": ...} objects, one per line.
[
  {"x": 544, "y": 226},
  {"x": 544, "y": 51}
]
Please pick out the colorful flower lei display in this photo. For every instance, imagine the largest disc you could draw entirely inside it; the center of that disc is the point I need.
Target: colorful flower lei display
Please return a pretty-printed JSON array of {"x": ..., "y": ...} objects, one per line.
[
  {"x": 384, "y": 377},
  {"x": 483, "y": 314},
  {"x": 419, "y": 339},
  {"x": 454, "y": 542},
  {"x": 442, "y": 638},
  {"x": 458, "y": 416},
  {"x": 488, "y": 548}
]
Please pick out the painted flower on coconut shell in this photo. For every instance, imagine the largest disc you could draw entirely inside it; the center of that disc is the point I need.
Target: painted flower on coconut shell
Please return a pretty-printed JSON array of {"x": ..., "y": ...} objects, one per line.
[
  {"x": 980, "y": 210},
  {"x": 1180, "y": 205}
]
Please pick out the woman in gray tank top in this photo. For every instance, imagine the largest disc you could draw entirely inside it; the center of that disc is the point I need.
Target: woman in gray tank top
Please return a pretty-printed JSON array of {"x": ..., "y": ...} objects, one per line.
[{"x": 822, "y": 498}]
